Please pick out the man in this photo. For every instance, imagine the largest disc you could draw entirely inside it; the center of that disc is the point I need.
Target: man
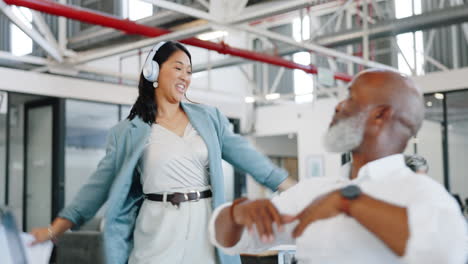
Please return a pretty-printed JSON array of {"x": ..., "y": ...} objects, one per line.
[{"x": 379, "y": 212}]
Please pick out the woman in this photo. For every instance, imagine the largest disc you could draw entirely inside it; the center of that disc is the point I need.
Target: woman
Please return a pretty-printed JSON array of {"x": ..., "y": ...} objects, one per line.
[{"x": 165, "y": 154}]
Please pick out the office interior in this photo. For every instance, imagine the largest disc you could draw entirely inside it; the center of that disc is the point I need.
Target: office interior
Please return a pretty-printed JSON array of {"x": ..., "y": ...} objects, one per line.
[{"x": 65, "y": 82}]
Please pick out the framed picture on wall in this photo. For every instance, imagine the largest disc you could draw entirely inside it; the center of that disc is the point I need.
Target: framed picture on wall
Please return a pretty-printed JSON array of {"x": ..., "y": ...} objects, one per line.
[{"x": 315, "y": 166}]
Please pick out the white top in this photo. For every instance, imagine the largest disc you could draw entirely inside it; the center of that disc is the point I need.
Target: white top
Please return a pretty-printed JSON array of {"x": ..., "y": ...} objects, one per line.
[
  {"x": 163, "y": 233},
  {"x": 438, "y": 231},
  {"x": 171, "y": 162}
]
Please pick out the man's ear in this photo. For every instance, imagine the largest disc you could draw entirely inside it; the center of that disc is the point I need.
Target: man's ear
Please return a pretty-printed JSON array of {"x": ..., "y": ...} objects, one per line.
[{"x": 381, "y": 114}]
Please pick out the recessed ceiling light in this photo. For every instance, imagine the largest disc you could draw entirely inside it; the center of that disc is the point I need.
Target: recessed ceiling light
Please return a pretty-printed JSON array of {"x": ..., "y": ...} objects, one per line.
[
  {"x": 249, "y": 99},
  {"x": 439, "y": 96},
  {"x": 212, "y": 35},
  {"x": 272, "y": 96}
]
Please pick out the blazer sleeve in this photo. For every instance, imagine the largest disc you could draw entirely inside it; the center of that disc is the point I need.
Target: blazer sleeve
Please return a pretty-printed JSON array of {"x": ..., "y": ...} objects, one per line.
[
  {"x": 240, "y": 153},
  {"x": 94, "y": 193}
]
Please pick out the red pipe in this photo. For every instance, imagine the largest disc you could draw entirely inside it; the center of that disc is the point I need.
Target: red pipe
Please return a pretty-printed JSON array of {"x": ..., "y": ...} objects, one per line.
[{"x": 129, "y": 27}]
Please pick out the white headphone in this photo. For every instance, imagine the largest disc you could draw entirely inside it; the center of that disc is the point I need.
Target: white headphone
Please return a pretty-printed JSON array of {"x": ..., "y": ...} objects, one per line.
[{"x": 151, "y": 67}]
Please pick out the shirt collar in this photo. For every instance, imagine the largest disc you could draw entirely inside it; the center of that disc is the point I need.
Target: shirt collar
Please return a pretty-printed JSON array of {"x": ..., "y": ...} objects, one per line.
[{"x": 376, "y": 169}]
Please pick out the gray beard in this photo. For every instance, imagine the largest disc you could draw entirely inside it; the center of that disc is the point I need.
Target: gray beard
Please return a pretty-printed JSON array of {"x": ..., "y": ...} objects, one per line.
[{"x": 346, "y": 135}]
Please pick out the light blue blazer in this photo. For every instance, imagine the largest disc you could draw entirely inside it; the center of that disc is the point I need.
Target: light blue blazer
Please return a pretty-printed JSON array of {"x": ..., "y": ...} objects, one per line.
[{"x": 117, "y": 180}]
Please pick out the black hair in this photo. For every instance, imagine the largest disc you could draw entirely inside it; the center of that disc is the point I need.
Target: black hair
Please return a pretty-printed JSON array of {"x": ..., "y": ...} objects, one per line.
[{"x": 145, "y": 105}]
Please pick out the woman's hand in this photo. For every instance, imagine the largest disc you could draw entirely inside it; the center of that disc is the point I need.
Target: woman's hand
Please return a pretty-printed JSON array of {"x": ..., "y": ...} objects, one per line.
[
  {"x": 52, "y": 232},
  {"x": 42, "y": 234}
]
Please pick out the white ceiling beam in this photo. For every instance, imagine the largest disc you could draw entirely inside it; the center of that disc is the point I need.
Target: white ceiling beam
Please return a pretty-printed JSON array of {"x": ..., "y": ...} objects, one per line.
[
  {"x": 184, "y": 9},
  {"x": 62, "y": 29},
  {"x": 285, "y": 18},
  {"x": 42, "y": 26},
  {"x": 464, "y": 26},
  {"x": 337, "y": 14},
  {"x": 443, "y": 81},
  {"x": 284, "y": 39},
  {"x": 397, "y": 46},
  {"x": 22, "y": 59},
  {"x": 83, "y": 57},
  {"x": 378, "y": 10},
  {"x": 259, "y": 10},
  {"x": 435, "y": 62},
  {"x": 316, "y": 48},
  {"x": 51, "y": 85},
  {"x": 33, "y": 34},
  {"x": 277, "y": 80},
  {"x": 100, "y": 71},
  {"x": 204, "y": 3}
]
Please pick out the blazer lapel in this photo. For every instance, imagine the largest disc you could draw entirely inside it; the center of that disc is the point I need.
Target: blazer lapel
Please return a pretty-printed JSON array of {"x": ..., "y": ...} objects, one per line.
[
  {"x": 140, "y": 133},
  {"x": 200, "y": 121}
]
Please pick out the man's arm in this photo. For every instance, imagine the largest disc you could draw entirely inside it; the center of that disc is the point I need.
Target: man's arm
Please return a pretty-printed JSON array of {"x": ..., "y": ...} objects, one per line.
[
  {"x": 388, "y": 222},
  {"x": 231, "y": 221},
  {"x": 227, "y": 232}
]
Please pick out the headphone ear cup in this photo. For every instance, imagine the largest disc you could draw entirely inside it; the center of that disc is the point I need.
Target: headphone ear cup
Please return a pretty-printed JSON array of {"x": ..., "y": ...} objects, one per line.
[
  {"x": 151, "y": 67},
  {"x": 155, "y": 67}
]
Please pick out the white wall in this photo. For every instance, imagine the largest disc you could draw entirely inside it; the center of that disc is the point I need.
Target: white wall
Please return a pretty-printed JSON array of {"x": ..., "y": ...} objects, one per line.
[
  {"x": 309, "y": 122},
  {"x": 280, "y": 145}
]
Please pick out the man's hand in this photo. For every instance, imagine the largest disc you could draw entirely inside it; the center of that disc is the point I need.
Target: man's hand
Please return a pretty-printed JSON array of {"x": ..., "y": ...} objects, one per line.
[
  {"x": 324, "y": 207},
  {"x": 262, "y": 214}
]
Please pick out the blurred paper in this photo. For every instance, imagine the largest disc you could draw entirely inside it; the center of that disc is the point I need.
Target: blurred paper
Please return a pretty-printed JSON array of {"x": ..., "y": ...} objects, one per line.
[{"x": 37, "y": 254}]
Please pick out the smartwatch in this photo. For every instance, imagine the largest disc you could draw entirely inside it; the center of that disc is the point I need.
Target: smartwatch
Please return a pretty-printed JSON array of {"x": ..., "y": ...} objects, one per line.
[{"x": 349, "y": 193}]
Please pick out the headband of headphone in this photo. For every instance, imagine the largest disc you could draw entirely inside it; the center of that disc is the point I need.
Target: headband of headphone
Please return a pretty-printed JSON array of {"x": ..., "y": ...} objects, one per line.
[{"x": 151, "y": 67}]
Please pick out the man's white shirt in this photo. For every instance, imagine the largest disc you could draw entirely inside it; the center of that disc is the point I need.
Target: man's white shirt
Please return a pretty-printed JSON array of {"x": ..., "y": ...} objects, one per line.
[{"x": 438, "y": 230}]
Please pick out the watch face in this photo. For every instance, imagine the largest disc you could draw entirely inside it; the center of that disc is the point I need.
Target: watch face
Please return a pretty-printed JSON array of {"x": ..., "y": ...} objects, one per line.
[{"x": 351, "y": 192}]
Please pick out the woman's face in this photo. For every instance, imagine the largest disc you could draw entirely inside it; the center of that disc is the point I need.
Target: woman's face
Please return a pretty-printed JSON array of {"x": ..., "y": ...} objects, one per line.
[{"x": 174, "y": 77}]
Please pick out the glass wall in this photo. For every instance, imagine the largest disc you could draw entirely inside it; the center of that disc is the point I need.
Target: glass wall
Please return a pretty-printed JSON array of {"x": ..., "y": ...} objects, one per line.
[
  {"x": 3, "y": 135},
  {"x": 443, "y": 140},
  {"x": 457, "y": 135},
  {"x": 86, "y": 129},
  {"x": 15, "y": 141}
]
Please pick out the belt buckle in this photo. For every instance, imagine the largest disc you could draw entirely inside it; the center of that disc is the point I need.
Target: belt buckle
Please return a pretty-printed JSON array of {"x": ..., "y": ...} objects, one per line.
[{"x": 198, "y": 196}]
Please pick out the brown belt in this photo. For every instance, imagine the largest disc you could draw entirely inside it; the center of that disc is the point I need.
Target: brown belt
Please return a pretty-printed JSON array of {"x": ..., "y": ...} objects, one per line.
[{"x": 177, "y": 198}]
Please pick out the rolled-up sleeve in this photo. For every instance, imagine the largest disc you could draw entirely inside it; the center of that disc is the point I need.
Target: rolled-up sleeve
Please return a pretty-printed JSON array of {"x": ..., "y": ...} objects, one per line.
[
  {"x": 240, "y": 153},
  {"x": 241, "y": 246},
  {"x": 438, "y": 230},
  {"x": 286, "y": 203}
]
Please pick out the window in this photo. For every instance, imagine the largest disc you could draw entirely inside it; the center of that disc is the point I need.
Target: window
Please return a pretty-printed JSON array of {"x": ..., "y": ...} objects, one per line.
[
  {"x": 305, "y": 28},
  {"x": 411, "y": 57},
  {"x": 137, "y": 9},
  {"x": 303, "y": 82},
  {"x": 21, "y": 44},
  {"x": 86, "y": 129}
]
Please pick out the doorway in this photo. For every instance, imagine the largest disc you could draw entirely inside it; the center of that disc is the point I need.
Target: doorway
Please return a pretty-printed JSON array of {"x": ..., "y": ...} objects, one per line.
[{"x": 42, "y": 161}]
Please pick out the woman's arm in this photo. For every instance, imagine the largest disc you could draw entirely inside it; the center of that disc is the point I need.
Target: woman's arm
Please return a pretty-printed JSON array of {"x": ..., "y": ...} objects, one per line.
[
  {"x": 56, "y": 229},
  {"x": 240, "y": 153},
  {"x": 87, "y": 201}
]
